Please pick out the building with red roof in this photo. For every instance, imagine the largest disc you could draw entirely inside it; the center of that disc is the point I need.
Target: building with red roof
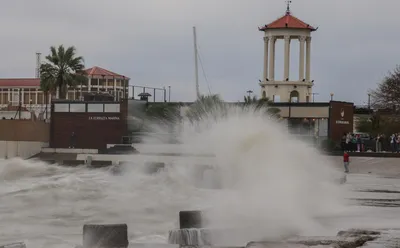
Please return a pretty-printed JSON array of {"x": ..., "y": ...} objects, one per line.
[
  {"x": 284, "y": 88},
  {"x": 28, "y": 89}
]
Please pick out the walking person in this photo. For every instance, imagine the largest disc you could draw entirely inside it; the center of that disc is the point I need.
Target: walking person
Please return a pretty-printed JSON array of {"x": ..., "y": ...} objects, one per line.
[{"x": 346, "y": 161}]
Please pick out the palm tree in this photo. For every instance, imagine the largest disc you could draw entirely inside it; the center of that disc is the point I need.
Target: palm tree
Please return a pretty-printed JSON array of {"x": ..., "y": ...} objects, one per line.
[
  {"x": 209, "y": 105},
  {"x": 62, "y": 70},
  {"x": 261, "y": 104}
]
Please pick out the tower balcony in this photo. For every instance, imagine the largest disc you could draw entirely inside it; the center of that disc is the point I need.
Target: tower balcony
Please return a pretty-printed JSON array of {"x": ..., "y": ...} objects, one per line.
[{"x": 287, "y": 83}]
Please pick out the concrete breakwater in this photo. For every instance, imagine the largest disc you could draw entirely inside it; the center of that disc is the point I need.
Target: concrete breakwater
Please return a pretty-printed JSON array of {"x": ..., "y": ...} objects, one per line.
[
  {"x": 193, "y": 233},
  {"x": 116, "y": 235}
]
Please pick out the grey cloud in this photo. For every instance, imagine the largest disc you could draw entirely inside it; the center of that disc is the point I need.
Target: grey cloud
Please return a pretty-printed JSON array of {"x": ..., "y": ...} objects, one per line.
[{"x": 151, "y": 41}]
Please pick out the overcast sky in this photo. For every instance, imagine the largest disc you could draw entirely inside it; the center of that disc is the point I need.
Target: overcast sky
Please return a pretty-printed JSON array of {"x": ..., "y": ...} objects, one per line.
[{"x": 151, "y": 41}]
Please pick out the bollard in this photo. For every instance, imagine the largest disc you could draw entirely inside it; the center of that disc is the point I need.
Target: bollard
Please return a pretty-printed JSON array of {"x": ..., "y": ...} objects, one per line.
[
  {"x": 89, "y": 160},
  {"x": 105, "y": 236},
  {"x": 190, "y": 219}
]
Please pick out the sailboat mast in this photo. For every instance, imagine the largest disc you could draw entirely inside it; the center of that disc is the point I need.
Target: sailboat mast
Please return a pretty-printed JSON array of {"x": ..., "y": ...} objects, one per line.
[{"x": 196, "y": 68}]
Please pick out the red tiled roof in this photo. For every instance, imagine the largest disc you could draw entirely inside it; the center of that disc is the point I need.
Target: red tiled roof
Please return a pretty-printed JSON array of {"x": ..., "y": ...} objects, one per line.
[
  {"x": 98, "y": 72},
  {"x": 19, "y": 82},
  {"x": 287, "y": 21}
]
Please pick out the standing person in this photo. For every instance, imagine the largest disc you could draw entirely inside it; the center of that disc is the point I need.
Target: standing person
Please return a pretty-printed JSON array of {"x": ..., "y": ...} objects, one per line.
[
  {"x": 378, "y": 143},
  {"x": 343, "y": 142},
  {"x": 358, "y": 143},
  {"x": 72, "y": 141},
  {"x": 346, "y": 161},
  {"x": 348, "y": 142},
  {"x": 393, "y": 142}
]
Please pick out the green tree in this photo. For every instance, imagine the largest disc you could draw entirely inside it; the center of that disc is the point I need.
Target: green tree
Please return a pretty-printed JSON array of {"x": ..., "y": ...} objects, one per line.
[
  {"x": 387, "y": 94},
  {"x": 63, "y": 69}
]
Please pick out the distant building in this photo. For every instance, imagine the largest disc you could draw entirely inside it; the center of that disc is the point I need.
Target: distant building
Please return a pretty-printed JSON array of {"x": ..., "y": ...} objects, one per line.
[{"x": 34, "y": 100}]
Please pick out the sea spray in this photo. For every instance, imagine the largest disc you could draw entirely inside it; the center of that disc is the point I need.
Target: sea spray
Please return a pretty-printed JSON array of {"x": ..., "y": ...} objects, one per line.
[{"x": 273, "y": 184}]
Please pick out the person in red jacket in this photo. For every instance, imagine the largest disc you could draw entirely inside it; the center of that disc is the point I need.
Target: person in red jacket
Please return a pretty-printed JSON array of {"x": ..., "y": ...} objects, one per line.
[{"x": 346, "y": 161}]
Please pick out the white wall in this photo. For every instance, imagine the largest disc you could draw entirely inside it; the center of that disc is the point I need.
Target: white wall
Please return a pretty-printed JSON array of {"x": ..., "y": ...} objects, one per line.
[{"x": 23, "y": 149}]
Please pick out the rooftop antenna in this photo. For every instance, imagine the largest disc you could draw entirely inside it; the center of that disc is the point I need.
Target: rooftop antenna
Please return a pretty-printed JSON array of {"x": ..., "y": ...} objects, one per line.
[
  {"x": 288, "y": 2},
  {"x": 37, "y": 72}
]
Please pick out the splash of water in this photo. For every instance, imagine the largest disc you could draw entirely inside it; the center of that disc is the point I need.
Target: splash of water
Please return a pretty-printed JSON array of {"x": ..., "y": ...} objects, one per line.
[{"x": 273, "y": 184}]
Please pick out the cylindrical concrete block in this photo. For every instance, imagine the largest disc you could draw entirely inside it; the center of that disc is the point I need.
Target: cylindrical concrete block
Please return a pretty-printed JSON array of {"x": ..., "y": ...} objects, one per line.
[
  {"x": 105, "y": 236},
  {"x": 190, "y": 219}
]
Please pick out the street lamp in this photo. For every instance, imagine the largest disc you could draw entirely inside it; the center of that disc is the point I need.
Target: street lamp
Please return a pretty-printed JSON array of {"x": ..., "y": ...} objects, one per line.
[
  {"x": 249, "y": 92},
  {"x": 313, "y": 96},
  {"x": 331, "y": 96},
  {"x": 369, "y": 101}
]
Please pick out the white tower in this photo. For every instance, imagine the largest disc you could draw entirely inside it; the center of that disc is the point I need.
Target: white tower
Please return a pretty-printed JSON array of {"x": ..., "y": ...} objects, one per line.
[{"x": 289, "y": 89}]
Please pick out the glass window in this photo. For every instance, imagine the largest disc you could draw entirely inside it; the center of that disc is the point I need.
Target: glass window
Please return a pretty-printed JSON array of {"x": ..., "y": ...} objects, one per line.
[
  {"x": 61, "y": 107},
  {"x": 77, "y": 107},
  {"x": 95, "y": 107},
  {"x": 111, "y": 108}
]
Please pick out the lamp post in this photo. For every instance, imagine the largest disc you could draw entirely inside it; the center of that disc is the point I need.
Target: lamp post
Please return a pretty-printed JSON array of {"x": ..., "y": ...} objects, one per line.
[
  {"x": 331, "y": 96},
  {"x": 169, "y": 93},
  {"x": 249, "y": 92},
  {"x": 313, "y": 96},
  {"x": 369, "y": 101}
]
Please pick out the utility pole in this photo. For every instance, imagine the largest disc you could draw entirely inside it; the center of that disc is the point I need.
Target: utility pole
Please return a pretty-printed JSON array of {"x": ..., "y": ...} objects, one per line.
[
  {"x": 37, "y": 72},
  {"x": 169, "y": 93}
]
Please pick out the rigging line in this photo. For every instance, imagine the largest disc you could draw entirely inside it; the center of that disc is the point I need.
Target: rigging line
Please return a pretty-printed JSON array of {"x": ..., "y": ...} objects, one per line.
[{"x": 202, "y": 69}]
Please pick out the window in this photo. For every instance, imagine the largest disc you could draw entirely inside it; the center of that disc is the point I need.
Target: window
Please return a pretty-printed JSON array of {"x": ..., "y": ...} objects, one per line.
[
  {"x": 61, "y": 107},
  {"x": 294, "y": 96},
  {"x": 95, "y": 107},
  {"x": 111, "y": 108},
  {"x": 77, "y": 107},
  {"x": 277, "y": 98}
]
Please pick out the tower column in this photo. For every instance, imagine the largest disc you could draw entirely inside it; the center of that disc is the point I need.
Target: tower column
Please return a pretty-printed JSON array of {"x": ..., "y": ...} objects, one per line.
[
  {"x": 302, "y": 40},
  {"x": 272, "y": 40},
  {"x": 265, "y": 75},
  {"x": 308, "y": 59},
  {"x": 287, "y": 57}
]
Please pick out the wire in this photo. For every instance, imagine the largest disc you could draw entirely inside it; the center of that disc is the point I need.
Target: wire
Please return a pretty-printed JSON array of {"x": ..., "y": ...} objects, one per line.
[{"x": 202, "y": 69}]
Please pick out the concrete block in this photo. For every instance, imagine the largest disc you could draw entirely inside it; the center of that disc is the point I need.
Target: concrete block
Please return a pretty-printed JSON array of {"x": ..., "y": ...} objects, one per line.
[
  {"x": 101, "y": 163},
  {"x": 73, "y": 162},
  {"x": 105, "y": 236}
]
